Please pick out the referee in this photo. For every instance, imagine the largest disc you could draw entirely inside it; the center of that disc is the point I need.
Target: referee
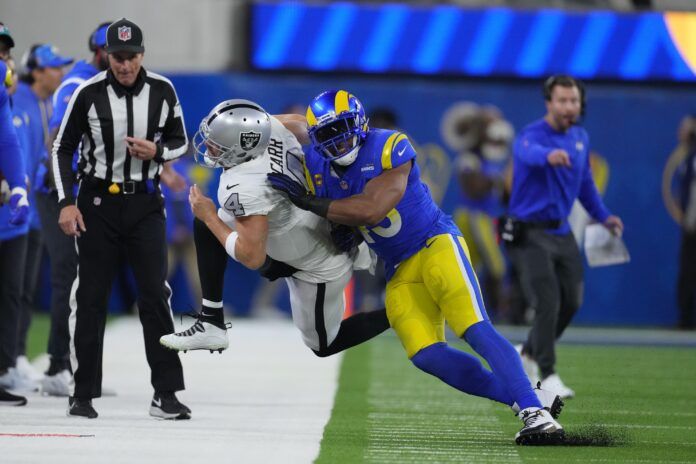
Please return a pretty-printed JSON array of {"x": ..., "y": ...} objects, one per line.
[{"x": 129, "y": 122}]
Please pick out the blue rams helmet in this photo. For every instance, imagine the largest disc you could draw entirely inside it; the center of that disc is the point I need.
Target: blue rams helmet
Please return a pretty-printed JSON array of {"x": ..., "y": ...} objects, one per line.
[{"x": 337, "y": 125}]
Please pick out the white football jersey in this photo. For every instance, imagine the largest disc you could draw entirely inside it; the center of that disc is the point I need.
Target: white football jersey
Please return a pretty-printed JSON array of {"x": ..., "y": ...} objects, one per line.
[{"x": 295, "y": 236}]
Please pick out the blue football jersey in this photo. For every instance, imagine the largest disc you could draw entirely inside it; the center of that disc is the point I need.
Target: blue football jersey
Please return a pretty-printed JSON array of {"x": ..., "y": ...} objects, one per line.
[{"x": 415, "y": 218}]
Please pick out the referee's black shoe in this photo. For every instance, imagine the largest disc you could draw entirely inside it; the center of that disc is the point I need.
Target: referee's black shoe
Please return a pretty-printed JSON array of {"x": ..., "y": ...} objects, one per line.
[
  {"x": 81, "y": 407},
  {"x": 165, "y": 405},
  {"x": 8, "y": 399}
]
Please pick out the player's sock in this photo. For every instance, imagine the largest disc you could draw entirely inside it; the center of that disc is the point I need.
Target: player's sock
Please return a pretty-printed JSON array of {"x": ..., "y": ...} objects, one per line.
[
  {"x": 356, "y": 329},
  {"x": 212, "y": 261},
  {"x": 504, "y": 361},
  {"x": 211, "y": 311},
  {"x": 461, "y": 371}
]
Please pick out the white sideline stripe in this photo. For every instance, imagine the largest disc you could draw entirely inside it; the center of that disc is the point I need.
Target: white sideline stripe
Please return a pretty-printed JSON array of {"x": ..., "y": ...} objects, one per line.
[{"x": 265, "y": 399}]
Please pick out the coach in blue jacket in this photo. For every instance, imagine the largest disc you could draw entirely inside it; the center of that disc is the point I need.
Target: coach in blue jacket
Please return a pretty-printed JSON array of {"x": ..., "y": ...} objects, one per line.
[{"x": 551, "y": 170}]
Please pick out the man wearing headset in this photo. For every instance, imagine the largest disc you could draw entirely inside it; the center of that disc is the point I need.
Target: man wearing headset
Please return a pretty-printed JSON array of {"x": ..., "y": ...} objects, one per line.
[{"x": 551, "y": 170}]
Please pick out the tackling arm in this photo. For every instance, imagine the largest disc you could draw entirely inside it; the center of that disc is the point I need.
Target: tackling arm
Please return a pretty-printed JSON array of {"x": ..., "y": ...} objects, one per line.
[
  {"x": 380, "y": 196},
  {"x": 297, "y": 124}
]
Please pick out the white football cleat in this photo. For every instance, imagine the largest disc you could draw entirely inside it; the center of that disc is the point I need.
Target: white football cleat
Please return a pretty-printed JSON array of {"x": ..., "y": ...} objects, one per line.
[
  {"x": 530, "y": 366},
  {"x": 549, "y": 401},
  {"x": 57, "y": 384},
  {"x": 202, "y": 335},
  {"x": 554, "y": 384},
  {"x": 539, "y": 428}
]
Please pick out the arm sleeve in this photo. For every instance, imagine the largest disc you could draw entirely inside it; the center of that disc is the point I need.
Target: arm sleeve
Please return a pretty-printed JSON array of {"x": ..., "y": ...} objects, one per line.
[
  {"x": 11, "y": 159},
  {"x": 529, "y": 150},
  {"x": 174, "y": 142},
  {"x": 69, "y": 135},
  {"x": 589, "y": 196}
]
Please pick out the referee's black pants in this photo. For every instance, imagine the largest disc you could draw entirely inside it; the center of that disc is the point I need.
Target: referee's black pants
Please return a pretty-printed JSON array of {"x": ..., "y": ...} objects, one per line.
[
  {"x": 551, "y": 272},
  {"x": 134, "y": 223}
]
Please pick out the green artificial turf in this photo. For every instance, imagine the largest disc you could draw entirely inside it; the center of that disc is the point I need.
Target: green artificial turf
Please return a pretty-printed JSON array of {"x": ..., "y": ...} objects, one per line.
[
  {"x": 633, "y": 404},
  {"x": 37, "y": 338}
]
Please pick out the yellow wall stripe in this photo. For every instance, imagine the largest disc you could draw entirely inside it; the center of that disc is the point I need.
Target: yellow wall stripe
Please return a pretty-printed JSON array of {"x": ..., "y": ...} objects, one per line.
[
  {"x": 341, "y": 102},
  {"x": 311, "y": 119}
]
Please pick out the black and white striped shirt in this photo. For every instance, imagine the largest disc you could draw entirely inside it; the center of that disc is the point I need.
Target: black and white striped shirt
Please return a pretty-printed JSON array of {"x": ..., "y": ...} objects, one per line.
[{"x": 101, "y": 113}]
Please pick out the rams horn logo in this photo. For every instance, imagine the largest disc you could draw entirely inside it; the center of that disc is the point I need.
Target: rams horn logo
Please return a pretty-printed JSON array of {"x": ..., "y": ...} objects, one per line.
[{"x": 249, "y": 140}]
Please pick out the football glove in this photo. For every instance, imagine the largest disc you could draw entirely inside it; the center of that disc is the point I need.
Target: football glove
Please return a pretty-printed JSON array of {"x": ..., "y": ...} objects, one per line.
[
  {"x": 298, "y": 195},
  {"x": 346, "y": 238},
  {"x": 19, "y": 206}
]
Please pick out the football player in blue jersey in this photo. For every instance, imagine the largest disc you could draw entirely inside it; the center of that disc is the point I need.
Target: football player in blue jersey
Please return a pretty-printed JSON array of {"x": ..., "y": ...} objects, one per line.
[{"x": 368, "y": 179}]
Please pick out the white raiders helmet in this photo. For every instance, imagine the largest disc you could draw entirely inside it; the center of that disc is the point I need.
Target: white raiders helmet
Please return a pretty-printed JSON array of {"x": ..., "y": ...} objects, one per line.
[{"x": 234, "y": 132}]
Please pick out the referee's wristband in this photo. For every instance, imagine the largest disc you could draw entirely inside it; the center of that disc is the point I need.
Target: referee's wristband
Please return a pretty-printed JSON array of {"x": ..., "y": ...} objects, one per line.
[{"x": 230, "y": 244}]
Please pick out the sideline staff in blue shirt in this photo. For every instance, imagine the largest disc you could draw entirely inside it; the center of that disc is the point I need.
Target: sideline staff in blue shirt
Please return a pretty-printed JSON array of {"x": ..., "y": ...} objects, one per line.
[
  {"x": 551, "y": 169},
  {"x": 13, "y": 229},
  {"x": 61, "y": 248}
]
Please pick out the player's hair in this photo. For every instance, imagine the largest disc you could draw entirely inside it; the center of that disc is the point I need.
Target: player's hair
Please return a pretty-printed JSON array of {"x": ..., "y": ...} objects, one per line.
[
  {"x": 564, "y": 80},
  {"x": 28, "y": 65}
]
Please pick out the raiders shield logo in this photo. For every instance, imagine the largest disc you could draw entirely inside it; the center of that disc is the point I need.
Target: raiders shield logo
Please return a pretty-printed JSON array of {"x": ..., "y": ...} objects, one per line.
[
  {"x": 249, "y": 140},
  {"x": 124, "y": 33}
]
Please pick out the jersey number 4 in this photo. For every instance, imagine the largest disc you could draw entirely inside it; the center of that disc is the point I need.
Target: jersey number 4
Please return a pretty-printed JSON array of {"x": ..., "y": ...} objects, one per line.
[{"x": 233, "y": 204}]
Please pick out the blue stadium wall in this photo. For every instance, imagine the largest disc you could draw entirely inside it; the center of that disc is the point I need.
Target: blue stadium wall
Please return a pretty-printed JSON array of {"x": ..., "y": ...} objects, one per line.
[{"x": 633, "y": 126}]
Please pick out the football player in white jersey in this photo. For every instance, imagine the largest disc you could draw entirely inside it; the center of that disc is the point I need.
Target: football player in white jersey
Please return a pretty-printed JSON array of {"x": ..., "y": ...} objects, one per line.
[{"x": 262, "y": 229}]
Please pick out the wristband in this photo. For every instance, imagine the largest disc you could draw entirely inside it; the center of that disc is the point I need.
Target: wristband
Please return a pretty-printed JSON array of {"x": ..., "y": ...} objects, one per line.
[{"x": 230, "y": 243}]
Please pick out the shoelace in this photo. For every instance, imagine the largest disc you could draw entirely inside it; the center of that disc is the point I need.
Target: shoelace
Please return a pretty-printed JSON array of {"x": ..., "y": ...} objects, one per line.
[
  {"x": 197, "y": 326},
  {"x": 530, "y": 418}
]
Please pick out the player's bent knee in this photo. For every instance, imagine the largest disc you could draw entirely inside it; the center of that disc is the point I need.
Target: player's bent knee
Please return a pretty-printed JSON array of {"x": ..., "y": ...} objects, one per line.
[{"x": 423, "y": 359}]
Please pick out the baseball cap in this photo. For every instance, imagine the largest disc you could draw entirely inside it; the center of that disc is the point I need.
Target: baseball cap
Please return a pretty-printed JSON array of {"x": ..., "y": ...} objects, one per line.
[
  {"x": 98, "y": 38},
  {"x": 5, "y": 36},
  {"x": 44, "y": 56},
  {"x": 124, "y": 36}
]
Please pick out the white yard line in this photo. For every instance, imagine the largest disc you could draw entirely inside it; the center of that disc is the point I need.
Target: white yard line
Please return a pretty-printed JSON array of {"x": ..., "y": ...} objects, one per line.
[{"x": 266, "y": 399}]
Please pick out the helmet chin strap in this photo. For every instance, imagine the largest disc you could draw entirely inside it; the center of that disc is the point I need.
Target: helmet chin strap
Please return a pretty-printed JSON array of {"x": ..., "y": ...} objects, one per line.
[{"x": 348, "y": 158}]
